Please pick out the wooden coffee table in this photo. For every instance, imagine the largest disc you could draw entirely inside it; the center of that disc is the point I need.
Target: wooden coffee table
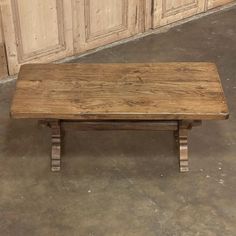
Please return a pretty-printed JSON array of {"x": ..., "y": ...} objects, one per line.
[{"x": 143, "y": 96}]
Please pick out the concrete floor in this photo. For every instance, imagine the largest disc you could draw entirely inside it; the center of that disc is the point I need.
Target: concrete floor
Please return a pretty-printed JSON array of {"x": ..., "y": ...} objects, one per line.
[{"x": 127, "y": 183}]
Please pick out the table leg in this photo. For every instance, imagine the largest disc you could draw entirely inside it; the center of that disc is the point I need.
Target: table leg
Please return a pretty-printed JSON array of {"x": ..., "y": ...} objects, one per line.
[
  {"x": 176, "y": 136},
  {"x": 56, "y": 145},
  {"x": 183, "y": 146}
]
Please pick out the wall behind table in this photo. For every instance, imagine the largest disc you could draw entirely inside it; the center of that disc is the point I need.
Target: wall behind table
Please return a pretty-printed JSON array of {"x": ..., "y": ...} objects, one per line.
[{"x": 44, "y": 31}]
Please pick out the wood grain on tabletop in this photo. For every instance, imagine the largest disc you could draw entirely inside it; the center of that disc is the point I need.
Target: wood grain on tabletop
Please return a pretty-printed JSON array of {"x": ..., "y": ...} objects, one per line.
[{"x": 141, "y": 91}]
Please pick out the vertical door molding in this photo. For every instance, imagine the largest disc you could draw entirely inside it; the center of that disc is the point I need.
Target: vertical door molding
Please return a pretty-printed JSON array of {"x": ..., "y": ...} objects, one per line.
[
  {"x": 148, "y": 14},
  {"x": 3, "y": 62},
  {"x": 39, "y": 31},
  {"x": 9, "y": 36},
  {"x": 168, "y": 11},
  {"x": 97, "y": 23}
]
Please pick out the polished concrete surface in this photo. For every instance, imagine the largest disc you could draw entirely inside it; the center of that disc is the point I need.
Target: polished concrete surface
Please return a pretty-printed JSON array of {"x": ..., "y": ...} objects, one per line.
[{"x": 127, "y": 183}]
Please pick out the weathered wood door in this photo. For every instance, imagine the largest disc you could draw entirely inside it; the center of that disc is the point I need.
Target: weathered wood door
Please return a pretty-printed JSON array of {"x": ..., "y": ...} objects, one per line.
[
  {"x": 36, "y": 31},
  {"x": 3, "y": 62},
  {"x": 168, "y": 11},
  {"x": 97, "y": 23}
]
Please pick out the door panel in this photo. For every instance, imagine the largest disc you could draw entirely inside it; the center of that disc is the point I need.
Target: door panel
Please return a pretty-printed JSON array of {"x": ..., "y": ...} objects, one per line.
[
  {"x": 217, "y": 3},
  {"x": 101, "y": 22},
  {"x": 41, "y": 34},
  {"x": 37, "y": 31},
  {"x": 168, "y": 11}
]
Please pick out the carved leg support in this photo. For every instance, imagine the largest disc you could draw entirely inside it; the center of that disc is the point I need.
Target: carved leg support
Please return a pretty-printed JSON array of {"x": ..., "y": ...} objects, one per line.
[
  {"x": 183, "y": 146},
  {"x": 56, "y": 145}
]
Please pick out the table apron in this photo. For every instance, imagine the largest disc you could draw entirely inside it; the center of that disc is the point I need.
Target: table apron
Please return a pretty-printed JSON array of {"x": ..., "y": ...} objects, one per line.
[{"x": 120, "y": 125}]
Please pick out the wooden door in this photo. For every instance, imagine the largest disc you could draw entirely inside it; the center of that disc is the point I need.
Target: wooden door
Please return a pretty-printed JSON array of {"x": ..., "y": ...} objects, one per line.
[
  {"x": 97, "y": 23},
  {"x": 217, "y": 3},
  {"x": 36, "y": 31},
  {"x": 168, "y": 11},
  {"x": 3, "y": 63}
]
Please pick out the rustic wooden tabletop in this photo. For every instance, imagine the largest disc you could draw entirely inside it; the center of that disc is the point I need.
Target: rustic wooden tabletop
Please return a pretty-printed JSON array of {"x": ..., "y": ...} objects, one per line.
[{"x": 166, "y": 91}]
